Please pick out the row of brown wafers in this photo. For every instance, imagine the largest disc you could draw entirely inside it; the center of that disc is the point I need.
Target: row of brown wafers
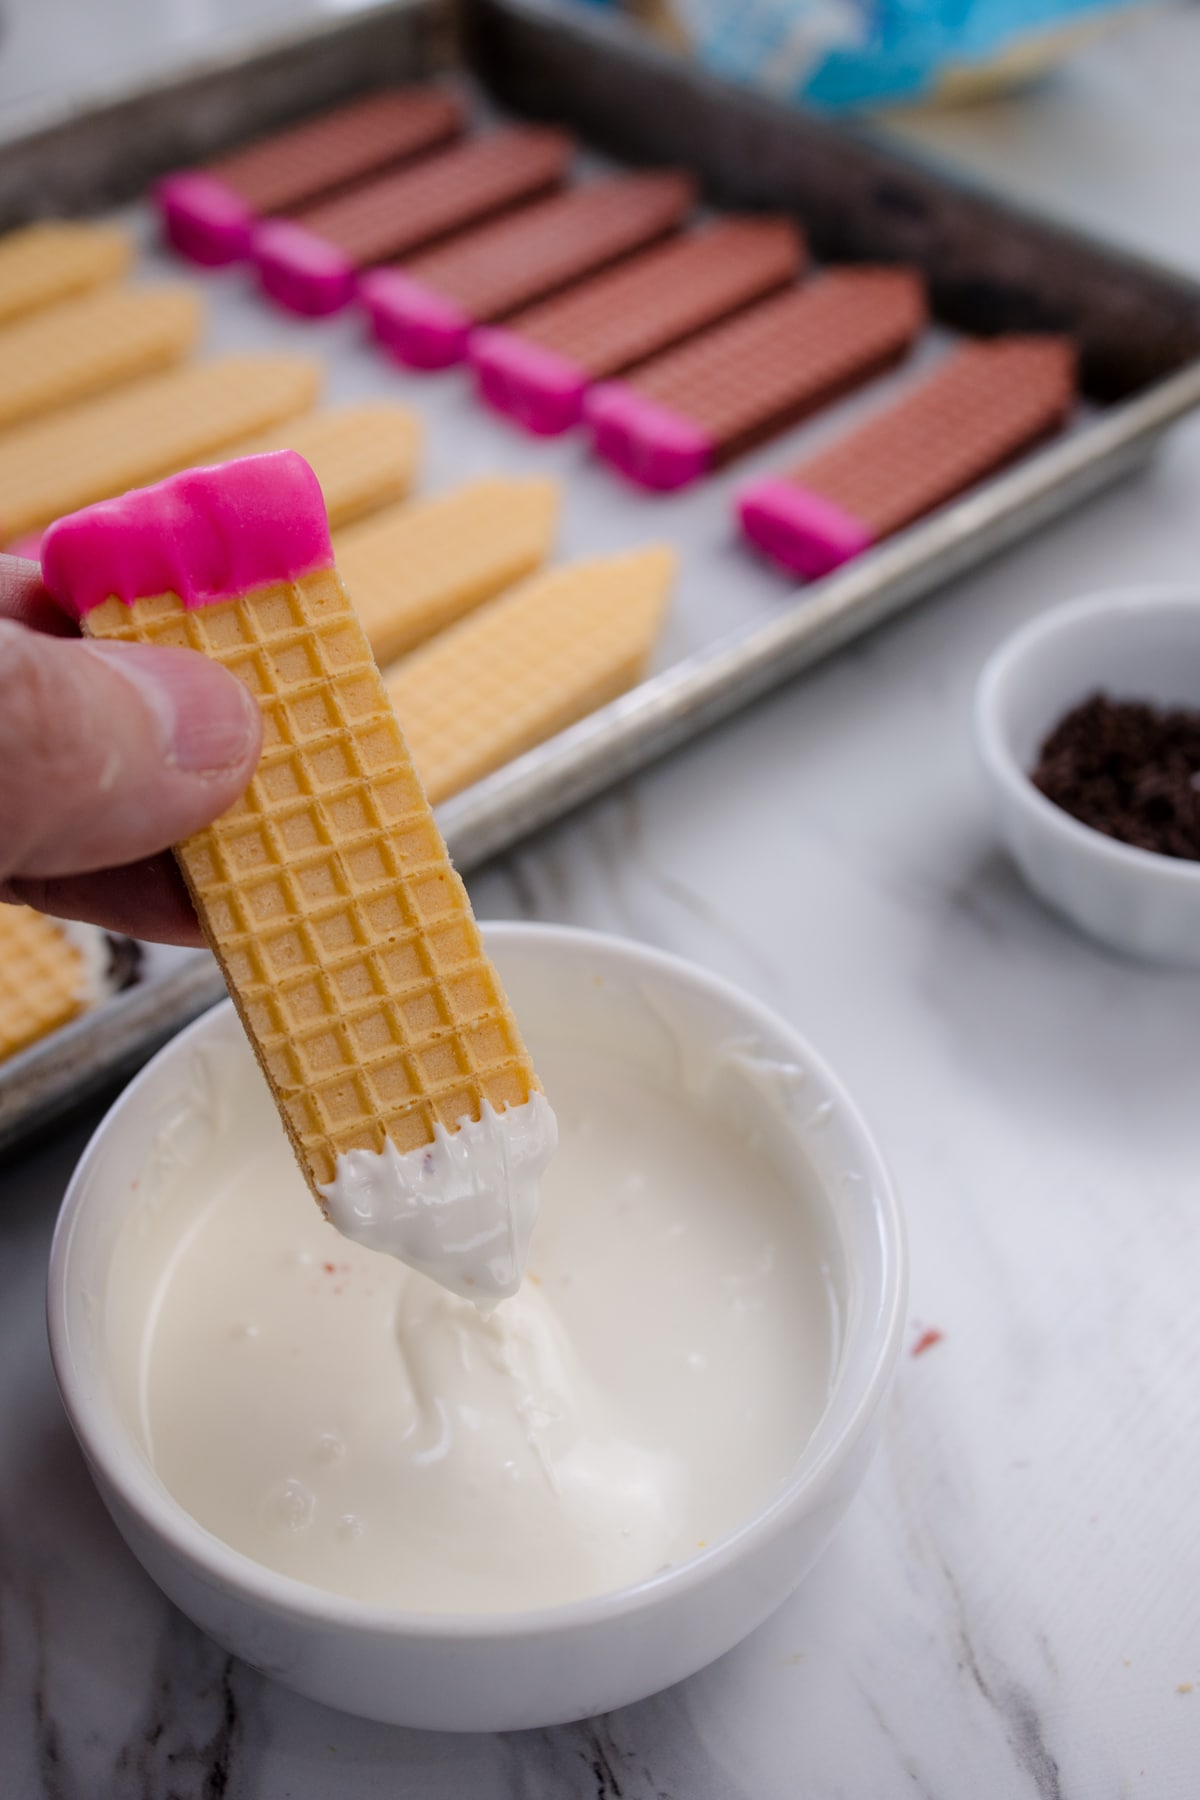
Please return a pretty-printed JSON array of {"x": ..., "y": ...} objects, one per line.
[{"x": 702, "y": 346}]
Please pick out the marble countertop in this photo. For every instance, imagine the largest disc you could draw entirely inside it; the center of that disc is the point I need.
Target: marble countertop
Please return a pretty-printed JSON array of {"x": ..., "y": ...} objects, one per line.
[{"x": 1012, "y": 1608}]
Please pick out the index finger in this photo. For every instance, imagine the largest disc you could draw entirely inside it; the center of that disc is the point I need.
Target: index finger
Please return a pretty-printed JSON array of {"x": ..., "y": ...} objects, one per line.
[{"x": 23, "y": 598}]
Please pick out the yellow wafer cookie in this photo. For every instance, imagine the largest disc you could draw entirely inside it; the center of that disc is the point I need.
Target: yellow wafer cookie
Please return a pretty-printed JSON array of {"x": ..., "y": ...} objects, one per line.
[
  {"x": 364, "y": 457},
  {"x": 49, "y": 261},
  {"x": 414, "y": 569},
  {"x": 326, "y": 892},
  {"x": 85, "y": 453},
  {"x": 43, "y": 977},
  {"x": 528, "y": 665},
  {"x": 76, "y": 349}
]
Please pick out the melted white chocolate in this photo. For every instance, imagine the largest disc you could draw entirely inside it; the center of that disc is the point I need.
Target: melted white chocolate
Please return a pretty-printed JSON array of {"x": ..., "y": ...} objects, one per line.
[
  {"x": 460, "y": 1210},
  {"x": 340, "y": 1418}
]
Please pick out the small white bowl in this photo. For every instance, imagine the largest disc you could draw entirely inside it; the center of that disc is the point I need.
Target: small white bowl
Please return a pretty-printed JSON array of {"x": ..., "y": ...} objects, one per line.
[
  {"x": 1140, "y": 643},
  {"x": 499, "y": 1671}
]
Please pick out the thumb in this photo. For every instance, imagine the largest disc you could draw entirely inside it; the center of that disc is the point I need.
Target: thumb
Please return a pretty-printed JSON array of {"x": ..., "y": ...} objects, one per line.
[{"x": 109, "y": 752}]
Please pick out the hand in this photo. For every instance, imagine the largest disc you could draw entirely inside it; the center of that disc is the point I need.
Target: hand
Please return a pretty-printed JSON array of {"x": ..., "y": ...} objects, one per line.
[{"x": 109, "y": 753}]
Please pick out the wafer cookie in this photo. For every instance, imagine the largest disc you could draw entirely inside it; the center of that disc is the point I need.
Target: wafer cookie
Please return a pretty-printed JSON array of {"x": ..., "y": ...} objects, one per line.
[
  {"x": 80, "y": 347},
  {"x": 50, "y": 261},
  {"x": 424, "y": 313},
  {"x": 209, "y": 214},
  {"x": 415, "y": 569},
  {"x": 536, "y": 369},
  {"x": 698, "y": 406},
  {"x": 85, "y": 453},
  {"x": 529, "y": 664},
  {"x": 326, "y": 892},
  {"x": 310, "y": 263},
  {"x": 365, "y": 457},
  {"x": 984, "y": 406},
  {"x": 49, "y": 972}
]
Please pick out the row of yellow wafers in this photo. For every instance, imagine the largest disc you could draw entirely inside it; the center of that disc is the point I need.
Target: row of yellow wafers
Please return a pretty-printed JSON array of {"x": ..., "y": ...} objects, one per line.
[
  {"x": 413, "y": 570},
  {"x": 484, "y": 655},
  {"x": 93, "y": 400},
  {"x": 364, "y": 456}
]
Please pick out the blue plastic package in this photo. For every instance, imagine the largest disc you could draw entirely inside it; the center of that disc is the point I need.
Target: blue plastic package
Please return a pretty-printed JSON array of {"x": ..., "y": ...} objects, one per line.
[{"x": 854, "y": 54}]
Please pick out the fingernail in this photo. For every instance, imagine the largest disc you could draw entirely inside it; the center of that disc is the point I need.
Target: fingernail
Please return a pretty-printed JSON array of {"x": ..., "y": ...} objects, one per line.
[{"x": 208, "y": 723}]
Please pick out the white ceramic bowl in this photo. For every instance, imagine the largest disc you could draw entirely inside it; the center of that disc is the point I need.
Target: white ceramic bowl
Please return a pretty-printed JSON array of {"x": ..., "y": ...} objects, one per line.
[
  {"x": 1137, "y": 644},
  {"x": 506, "y": 1671}
]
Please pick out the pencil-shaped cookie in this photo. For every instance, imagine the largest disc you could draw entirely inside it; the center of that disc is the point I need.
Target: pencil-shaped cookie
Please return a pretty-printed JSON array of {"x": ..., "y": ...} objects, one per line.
[
  {"x": 425, "y": 312},
  {"x": 310, "y": 262},
  {"x": 49, "y": 972},
  {"x": 209, "y": 214},
  {"x": 84, "y": 453},
  {"x": 41, "y": 264},
  {"x": 80, "y": 347},
  {"x": 413, "y": 570},
  {"x": 698, "y": 406},
  {"x": 365, "y": 457},
  {"x": 538, "y": 367},
  {"x": 327, "y": 893},
  {"x": 528, "y": 665},
  {"x": 985, "y": 405}
]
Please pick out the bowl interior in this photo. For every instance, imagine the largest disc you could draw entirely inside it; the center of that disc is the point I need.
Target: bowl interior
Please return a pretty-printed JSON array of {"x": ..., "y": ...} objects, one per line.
[
  {"x": 202, "y": 1102},
  {"x": 1139, "y": 644}
]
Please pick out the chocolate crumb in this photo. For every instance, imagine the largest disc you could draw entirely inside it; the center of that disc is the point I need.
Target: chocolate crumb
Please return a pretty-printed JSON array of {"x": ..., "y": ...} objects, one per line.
[
  {"x": 125, "y": 959},
  {"x": 1129, "y": 770}
]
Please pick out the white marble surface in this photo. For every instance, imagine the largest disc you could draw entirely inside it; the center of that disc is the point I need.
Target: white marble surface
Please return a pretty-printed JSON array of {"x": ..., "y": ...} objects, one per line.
[{"x": 1013, "y": 1605}]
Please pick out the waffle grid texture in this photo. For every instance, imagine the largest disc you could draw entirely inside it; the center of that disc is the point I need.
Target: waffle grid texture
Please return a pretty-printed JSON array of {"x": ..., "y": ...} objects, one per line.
[
  {"x": 327, "y": 893},
  {"x": 769, "y": 366},
  {"x": 618, "y": 319},
  {"x": 499, "y": 267},
  {"x": 395, "y": 214},
  {"x": 985, "y": 405},
  {"x": 529, "y": 664},
  {"x": 41, "y": 976},
  {"x": 340, "y": 146},
  {"x": 413, "y": 570}
]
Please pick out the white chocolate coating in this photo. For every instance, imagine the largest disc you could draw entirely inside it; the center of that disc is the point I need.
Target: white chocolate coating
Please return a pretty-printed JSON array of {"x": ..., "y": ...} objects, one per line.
[
  {"x": 340, "y": 1418},
  {"x": 461, "y": 1211}
]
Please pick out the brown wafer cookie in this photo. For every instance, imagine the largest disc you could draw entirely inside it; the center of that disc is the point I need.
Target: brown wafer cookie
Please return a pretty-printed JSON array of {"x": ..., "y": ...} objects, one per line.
[
  {"x": 310, "y": 263},
  {"x": 538, "y": 367},
  {"x": 424, "y": 312},
  {"x": 209, "y": 214},
  {"x": 698, "y": 406},
  {"x": 984, "y": 406}
]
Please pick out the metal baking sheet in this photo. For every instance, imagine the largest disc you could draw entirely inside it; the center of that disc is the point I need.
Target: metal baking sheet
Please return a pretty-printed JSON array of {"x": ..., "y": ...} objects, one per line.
[{"x": 737, "y": 627}]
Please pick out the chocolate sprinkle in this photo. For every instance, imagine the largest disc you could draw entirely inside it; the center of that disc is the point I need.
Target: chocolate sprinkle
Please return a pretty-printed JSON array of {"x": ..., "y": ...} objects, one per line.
[{"x": 1129, "y": 770}]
